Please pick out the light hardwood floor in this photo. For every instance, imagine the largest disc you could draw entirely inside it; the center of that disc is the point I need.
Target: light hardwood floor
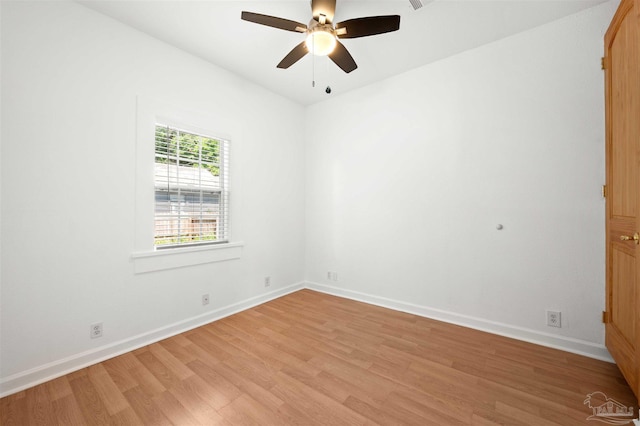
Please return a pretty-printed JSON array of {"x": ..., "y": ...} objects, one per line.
[{"x": 310, "y": 359}]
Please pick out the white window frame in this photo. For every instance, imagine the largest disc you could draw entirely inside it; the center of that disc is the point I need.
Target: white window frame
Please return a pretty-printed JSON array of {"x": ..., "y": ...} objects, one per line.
[{"x": 145, "y": 256}]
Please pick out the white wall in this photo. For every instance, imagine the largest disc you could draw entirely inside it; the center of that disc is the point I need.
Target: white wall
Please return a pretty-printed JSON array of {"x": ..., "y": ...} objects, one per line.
[
  {"x": 70, "y": 80},
  {"x": 406, "y": 184}
]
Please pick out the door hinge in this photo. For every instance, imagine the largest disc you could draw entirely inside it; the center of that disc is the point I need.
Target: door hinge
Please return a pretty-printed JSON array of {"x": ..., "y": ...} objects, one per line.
[
  {"x": 604, "y": 191},
  {"x": 606, "y": 318},
  {"x": 602, "y": 63}
]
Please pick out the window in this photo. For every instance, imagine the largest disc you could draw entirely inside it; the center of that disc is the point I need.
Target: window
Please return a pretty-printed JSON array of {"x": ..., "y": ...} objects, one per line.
[
  {"x": 191, "y": 188},
  {"x": 183, "y": 176}
]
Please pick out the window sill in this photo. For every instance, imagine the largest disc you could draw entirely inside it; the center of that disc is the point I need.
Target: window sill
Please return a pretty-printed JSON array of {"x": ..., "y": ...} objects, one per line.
[{"x": 158, "y": 260}]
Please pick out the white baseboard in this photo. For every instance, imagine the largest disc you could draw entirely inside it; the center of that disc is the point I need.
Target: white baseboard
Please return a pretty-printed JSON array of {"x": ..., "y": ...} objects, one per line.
[
  {"x": 35, "y": 376},
  {"x": 568, "y": 344},
  {"x": 50, "y": 371}
]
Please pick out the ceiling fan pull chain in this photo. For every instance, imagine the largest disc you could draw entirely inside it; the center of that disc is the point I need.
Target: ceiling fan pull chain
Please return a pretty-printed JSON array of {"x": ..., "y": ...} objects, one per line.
[{"x": 313, "y": 64}]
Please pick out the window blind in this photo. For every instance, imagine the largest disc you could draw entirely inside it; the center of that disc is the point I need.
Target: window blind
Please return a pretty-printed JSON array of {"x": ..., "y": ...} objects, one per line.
[{"x": 191, "y": 188}]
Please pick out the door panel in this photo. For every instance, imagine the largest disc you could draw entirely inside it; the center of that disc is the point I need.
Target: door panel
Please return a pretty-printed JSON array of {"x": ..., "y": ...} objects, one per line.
[
  {"x": 624, "y": 155},
  {"x": 623, "y": 291},
  {"x": 622, "y": 99}
]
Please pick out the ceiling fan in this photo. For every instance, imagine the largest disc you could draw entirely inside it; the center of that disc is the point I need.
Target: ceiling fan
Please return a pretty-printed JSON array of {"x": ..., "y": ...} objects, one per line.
[{"x": 322, "y": 35}]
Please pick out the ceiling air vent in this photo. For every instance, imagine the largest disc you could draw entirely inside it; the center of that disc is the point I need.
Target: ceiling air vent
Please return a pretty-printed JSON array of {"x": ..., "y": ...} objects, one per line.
[{"x": 417, "y": 4}]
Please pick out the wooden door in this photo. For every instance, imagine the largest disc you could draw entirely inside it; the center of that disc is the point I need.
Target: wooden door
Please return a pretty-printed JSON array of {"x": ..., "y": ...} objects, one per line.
[{"x": 622, "y": 93}]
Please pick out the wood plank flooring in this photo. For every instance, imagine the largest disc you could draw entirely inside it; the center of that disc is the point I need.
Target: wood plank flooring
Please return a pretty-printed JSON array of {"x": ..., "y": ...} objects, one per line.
[{"x": 314, "y": 359}]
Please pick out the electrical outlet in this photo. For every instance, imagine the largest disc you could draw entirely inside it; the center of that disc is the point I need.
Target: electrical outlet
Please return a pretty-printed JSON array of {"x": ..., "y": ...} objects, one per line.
[
  {"x": 267, "y": 281},
  {"x": 95, "y": 330},
  {"x": 205, "y": 299},
  {"x": 334, "y": 276},
  {"x": 554, "y": 319}
]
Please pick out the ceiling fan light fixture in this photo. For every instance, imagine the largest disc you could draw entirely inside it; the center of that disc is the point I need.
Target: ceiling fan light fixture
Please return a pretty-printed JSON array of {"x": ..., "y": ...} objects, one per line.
[{"x": 321, "y": 42}]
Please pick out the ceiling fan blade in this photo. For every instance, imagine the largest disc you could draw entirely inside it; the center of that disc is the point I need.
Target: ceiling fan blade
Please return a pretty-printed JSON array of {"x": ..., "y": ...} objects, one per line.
[
  {"x": 342, "y": 58},
  {"x": 294, "y": 56},
  {"x": 275, "y": 22},
  {"x": 371, "y": 25},
  {"x": 323, "y": 7}
]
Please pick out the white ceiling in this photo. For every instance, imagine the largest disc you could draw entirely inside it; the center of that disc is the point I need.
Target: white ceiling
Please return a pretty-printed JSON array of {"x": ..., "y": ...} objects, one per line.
[{"x": 213, "y": 31}]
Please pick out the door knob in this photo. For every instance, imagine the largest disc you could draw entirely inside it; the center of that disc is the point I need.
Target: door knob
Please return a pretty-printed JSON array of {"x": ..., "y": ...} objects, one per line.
[{"x": 635, "y": 238}]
